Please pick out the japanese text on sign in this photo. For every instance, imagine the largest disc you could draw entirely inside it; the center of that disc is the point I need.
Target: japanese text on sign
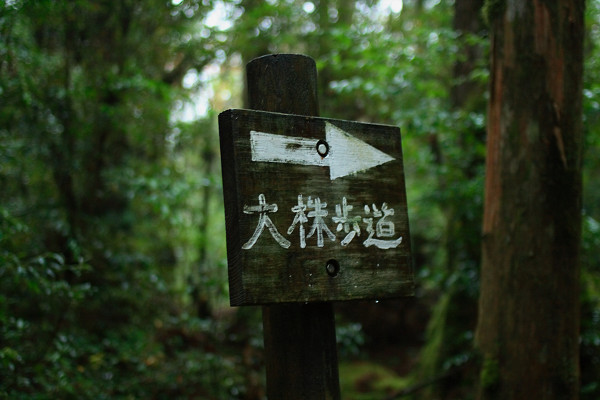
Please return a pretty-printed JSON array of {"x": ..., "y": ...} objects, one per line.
[{"x": 380, "y": 229}]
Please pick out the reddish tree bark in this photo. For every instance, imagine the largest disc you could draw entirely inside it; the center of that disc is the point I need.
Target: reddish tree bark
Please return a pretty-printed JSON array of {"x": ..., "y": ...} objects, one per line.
[{"x": 528, "y": 326}]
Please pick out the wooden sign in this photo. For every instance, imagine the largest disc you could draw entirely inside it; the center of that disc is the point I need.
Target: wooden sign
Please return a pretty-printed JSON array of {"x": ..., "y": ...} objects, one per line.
[{"x": 315, "y": 209}]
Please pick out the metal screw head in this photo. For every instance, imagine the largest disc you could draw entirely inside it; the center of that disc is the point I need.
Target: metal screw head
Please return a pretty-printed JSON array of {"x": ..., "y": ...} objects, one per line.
[{"x": 332, "y": 267}]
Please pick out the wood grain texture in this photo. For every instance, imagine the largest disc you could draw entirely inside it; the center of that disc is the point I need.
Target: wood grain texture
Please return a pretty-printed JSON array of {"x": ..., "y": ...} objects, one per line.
[
  {"x": 300, "y": 352},
  {"x": 269, "y": 273},
  {"x": 284, "y": 83},
  {"x": 529, "y": 306}
]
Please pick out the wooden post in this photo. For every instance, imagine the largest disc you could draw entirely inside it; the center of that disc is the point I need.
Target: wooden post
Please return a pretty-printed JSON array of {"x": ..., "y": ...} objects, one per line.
[{"x": 300, "y": 345}]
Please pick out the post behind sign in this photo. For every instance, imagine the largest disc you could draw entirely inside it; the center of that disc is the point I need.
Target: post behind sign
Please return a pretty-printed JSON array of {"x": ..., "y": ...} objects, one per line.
[
  {"x": 300, "y": 344},
  {"x": 282, "y": 159}
]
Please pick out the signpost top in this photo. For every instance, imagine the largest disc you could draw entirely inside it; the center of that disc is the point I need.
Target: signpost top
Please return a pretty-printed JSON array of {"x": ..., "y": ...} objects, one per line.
[{"x": 315, "y": 209}]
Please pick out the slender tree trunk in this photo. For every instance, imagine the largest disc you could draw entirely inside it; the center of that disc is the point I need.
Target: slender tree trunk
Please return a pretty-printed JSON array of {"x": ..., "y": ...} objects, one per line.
[
  {"x": 528, "y": 326},
  {"x": 456, "y": 311},
  {"x": 466, "y": 95}
]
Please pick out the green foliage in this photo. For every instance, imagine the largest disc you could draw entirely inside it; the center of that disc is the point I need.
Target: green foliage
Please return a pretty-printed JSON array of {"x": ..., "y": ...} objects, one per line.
[
  {"x": 493, "y": 9},
  {"x": 350, "y": 339},
  {"x": 112, "y": 254},
  {"x": 365, "y": 380},
  {"x": 489, "y": 375},
  {"x": 590, "y": 297},
  {"x": 38, "y": 292},
  {"x": 590, "y": 310},
  {"x": 95, "y": 216}
]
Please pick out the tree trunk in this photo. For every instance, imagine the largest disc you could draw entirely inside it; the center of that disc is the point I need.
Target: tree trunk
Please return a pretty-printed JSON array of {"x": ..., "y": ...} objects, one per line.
[{"x": 528, "y": 324}]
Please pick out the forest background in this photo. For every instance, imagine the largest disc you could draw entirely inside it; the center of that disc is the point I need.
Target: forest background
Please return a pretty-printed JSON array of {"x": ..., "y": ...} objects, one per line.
[{"x": 113, "y": 277}]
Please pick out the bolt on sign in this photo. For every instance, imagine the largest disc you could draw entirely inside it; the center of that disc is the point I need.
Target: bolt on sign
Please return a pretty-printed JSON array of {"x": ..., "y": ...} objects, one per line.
[{"x": 315, "y": 209}]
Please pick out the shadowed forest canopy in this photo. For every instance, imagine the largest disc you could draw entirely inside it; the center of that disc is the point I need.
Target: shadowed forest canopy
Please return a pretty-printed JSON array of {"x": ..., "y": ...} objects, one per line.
[{"x": 113, "y": 270}]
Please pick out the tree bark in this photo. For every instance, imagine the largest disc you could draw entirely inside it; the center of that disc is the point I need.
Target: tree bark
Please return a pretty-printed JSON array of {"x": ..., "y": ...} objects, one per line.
[{"x": 528, "y": 324}]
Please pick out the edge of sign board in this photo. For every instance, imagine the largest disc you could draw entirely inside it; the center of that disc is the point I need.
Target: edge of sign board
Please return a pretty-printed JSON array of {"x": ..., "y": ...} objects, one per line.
[
  {"x": 236, "y": 286},
  {"x": 241, "y": 111}
]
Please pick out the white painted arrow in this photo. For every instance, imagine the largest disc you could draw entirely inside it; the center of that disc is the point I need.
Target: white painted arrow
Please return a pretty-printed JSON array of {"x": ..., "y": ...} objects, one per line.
[{"x": 346, "y": 155}]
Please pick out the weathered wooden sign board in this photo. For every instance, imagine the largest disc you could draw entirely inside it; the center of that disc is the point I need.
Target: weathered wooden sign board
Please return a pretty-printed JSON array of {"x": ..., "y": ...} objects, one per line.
[{"x": 315, "y": 209}]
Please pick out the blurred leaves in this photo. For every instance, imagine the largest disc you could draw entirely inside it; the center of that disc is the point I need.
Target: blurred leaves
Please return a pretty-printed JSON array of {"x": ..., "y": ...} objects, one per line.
[{"x": 113, "y": 279}]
